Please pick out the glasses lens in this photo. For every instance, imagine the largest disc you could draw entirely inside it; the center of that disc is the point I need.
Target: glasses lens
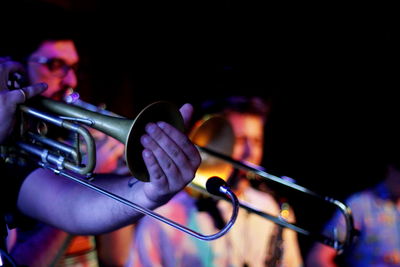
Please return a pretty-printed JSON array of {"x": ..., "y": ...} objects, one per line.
[
  {"x": 56, "y": 64},
  {"x": 59, "y": 67}
]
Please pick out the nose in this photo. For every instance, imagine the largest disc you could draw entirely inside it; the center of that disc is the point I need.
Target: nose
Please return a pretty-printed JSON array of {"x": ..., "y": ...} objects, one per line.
[
  {"x": 246, "y": 149},
  {"x": 70, "y": 80}
]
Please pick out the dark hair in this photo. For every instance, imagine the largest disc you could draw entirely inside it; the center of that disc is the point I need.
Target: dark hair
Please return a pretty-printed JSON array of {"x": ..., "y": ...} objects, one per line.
[
  {"x": 241, "y": 104},
  {"x": 42, "y": 22}
]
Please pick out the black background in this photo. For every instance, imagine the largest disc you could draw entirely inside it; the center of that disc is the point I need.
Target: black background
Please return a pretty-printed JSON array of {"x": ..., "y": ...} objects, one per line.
[{"x": 329, "y": 70}]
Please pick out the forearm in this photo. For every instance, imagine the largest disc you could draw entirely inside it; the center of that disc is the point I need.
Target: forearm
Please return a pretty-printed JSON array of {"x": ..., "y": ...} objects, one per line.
[
  {"x": 170, "y": 158},
  {"x": 291, "y": 252},
  {"x": 40, "y": 249},
  {"x": 77, "y": 209}
]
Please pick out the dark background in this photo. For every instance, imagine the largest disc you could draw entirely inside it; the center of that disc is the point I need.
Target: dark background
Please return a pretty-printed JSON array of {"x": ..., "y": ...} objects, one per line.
[{"x": 329, "y": 70}]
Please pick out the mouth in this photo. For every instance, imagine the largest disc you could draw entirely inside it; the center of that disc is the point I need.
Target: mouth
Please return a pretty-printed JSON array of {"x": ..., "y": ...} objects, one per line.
[{"x": 59, "y": 95}]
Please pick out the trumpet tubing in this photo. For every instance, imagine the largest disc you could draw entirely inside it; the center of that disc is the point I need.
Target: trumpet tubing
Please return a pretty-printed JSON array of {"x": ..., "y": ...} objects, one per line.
[{"x": 127, "y": 131}]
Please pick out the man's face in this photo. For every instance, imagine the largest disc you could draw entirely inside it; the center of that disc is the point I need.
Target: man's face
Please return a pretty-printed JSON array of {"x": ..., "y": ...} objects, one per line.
[
  {"x": 54, "y": 63},
  {"x": 249, "y": 137}
]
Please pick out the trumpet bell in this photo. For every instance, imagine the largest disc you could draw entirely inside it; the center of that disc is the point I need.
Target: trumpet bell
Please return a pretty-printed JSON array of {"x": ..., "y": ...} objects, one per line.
[
  {"x": 155, "y": 112},
  {"x": 215, "y": 133}
]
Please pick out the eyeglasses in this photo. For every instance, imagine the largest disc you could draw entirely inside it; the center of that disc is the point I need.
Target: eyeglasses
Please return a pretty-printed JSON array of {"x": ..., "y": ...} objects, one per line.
[{"x": 57, "y": 66}]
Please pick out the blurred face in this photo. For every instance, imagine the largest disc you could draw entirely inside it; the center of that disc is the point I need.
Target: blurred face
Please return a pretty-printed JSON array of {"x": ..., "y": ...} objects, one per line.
[
  {"x": 54, "y": 63},
  {"x": 249, "y": 134}
]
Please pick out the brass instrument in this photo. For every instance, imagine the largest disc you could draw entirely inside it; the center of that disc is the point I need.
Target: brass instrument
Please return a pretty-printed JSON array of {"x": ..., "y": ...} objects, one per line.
[
  {"x": 63, "y": 158},
  {"x": 214, "y": 137}
]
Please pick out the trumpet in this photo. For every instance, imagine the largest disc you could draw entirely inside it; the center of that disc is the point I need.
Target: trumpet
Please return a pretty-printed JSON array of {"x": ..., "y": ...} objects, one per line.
[
  {"x": 214, "y": 137},
  {"x": 66, "y": 160}
]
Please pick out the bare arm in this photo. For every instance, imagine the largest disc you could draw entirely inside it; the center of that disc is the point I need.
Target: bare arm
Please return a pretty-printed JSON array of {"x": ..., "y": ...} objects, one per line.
[{"x": 291, "y": 252}]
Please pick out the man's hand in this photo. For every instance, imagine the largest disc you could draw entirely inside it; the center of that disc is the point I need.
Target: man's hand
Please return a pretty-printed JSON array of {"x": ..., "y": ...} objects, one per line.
[
  {"x": 10, "y": 99},
  {"x": 171, "y": 159}
]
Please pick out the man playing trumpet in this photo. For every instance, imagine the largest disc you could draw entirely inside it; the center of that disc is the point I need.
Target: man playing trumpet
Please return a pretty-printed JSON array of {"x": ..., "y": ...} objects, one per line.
[{"x": 171, "y": 160}]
